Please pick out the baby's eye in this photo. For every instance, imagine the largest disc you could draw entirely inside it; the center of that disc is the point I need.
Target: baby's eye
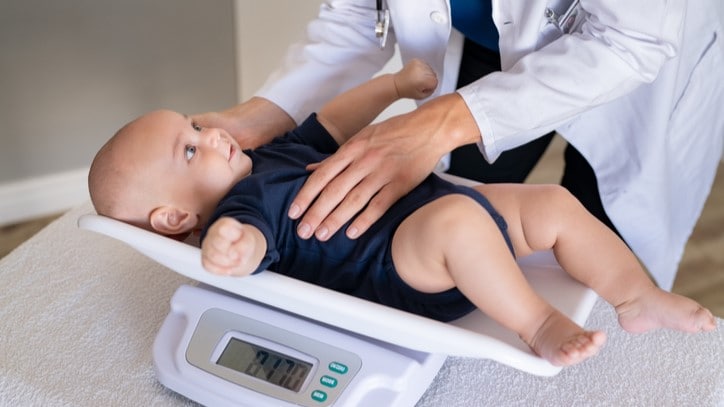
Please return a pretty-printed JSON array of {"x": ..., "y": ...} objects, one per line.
[
  {"x": 196, "y": 126},
  {"x": 189, "y": 152}
]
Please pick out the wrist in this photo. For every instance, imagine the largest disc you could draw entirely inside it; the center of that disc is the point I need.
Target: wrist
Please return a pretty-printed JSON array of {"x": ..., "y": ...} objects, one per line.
[
  {"x": 258, "y": 121},
  {"x": 454, "y": 125}
]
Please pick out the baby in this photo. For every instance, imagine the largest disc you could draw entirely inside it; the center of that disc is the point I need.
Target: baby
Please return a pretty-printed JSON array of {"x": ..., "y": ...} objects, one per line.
[{"x": 439, "y": 252}]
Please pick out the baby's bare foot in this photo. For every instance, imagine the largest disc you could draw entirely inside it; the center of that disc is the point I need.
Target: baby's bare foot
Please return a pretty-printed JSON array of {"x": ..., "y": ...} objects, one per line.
[
  {"x": 563, "y": 343},
  {"x": 416, "y": 80},
  {"x": 656, "y": 308}
]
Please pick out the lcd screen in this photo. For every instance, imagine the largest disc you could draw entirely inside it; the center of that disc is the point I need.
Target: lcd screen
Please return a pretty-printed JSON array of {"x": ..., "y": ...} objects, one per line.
[{"x": 265, "y": 364}]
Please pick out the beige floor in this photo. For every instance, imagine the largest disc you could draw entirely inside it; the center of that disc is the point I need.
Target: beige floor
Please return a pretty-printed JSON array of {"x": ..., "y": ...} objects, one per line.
[{"x": 701, "y": 274}]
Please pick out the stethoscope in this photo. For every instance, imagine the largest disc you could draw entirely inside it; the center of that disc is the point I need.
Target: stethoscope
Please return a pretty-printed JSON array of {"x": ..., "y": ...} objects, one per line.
[
  {"x": 382, "y": 25},
  {"x": 567, "y": 22}
]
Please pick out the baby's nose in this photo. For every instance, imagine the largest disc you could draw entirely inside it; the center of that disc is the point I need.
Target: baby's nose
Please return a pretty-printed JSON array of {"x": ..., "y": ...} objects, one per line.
[{"x": 212, "y": 136}]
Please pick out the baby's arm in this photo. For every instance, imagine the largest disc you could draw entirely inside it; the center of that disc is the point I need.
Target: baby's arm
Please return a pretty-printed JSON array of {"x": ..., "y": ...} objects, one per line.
[
  {"x": 351, "y": 111},
  {"x": 232, "y": 248}
]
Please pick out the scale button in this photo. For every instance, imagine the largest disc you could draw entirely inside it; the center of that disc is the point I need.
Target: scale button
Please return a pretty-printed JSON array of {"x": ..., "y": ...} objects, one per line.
[
  {"x": 328, "y": 381},
  {"x": 319, "y": 395},
  {"x": 338, "y": 367}
]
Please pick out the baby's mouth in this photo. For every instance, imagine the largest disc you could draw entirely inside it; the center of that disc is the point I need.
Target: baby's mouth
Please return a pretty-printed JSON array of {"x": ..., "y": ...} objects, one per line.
[{"x": 232, "y": 152}]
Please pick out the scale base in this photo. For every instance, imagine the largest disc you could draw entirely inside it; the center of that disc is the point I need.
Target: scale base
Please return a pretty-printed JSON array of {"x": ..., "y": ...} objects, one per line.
[{"x": 389, "y": 375}]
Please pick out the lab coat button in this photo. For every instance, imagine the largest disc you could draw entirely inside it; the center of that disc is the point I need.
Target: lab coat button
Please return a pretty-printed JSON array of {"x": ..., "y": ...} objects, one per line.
[{"x": 438, "y": 17}]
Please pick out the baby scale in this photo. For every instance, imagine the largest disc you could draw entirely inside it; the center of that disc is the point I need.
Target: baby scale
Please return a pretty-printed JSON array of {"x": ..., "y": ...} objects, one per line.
[{"x": 270, "y": 340}]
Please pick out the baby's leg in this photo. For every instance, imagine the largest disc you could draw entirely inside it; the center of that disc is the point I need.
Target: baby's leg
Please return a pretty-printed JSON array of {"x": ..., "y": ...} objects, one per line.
[
  {"x": 542, "y": 217},
  {"x": 453, "y": 242}
]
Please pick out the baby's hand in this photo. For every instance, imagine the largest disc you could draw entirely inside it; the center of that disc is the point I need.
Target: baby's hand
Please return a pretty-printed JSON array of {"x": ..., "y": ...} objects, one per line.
[
  {"x": 232, "y": 248},
  {"x": 415, "y": 80}
]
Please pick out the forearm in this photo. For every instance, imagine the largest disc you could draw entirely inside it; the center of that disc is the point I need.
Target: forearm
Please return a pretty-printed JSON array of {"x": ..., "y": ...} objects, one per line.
[
  {"x": 262, "y": 121},
  {"x": 446, "y": 122},
  {"x": 252, "y": 123},
  {"x": 349, "y": 112},
  {"x": 257, "y": 252}
]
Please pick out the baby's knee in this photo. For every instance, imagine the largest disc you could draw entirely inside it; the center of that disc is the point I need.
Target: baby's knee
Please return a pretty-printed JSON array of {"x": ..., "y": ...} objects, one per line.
[
  {"x": 558, "y": 197},
  {"x": 562, "y": 207},
  {"x": 445, "y": 217}
]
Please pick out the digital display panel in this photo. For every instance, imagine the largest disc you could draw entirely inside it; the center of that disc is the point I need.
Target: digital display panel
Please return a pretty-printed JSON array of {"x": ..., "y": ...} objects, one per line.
[{"x": 265, "y": 364}]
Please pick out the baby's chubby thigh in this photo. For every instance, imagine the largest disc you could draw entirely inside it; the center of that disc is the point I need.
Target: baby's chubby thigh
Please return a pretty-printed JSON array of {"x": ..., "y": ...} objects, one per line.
[{"x": 425, "y": 240}]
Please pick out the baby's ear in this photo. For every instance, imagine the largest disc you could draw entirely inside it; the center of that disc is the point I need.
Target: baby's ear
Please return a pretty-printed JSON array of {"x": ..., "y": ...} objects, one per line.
[{"x": 169, "y": 220}]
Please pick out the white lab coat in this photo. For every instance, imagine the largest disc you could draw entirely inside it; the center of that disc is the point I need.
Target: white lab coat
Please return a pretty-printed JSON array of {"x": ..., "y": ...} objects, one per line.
[{"x": 637, "y": 90}]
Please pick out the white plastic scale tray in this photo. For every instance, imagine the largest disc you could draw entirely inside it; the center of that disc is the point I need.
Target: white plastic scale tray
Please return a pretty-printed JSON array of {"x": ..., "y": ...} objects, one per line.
[{"x": 474, "y": 335}]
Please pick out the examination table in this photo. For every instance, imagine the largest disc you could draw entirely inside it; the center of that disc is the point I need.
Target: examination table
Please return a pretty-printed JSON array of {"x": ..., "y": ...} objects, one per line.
[{"x": 79, "y": 313}]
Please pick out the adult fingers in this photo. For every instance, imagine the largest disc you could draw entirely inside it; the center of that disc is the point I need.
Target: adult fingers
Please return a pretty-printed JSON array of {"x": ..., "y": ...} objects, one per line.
[
  {"x": 352, "y": 203},
  {"x": 340, "y": 189},
  {"x": 325, "y": 187},
  {"x": 377, "y": 207}
]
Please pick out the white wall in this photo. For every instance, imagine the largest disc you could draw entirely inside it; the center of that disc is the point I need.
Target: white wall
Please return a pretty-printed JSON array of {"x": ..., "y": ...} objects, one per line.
[
  {"x": 73, "y": 71},
  {"x": 264, "y": 31}
]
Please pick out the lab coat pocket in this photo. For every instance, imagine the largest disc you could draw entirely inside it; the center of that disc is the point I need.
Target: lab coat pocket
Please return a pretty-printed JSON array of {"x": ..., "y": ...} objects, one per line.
[
  {"x": 566, "y": 16},
  {"x": 561, "y": 18}
]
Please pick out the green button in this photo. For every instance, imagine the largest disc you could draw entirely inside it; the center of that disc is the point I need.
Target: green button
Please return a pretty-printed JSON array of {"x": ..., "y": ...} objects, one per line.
[
  {"x": 328, "y": 381},
  {"x": 319, "y": 395},
  {"x": 338, "y": 367}
]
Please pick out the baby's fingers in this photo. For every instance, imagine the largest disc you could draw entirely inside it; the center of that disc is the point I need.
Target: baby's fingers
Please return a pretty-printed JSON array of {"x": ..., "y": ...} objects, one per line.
[
  {"x": 226, "y": 258},
  {"x": 218, "y": 253},
  {"x": 227, "y": 229},
  {"x": 215, "y": 268},
  {"x": 219, "y": 262}
]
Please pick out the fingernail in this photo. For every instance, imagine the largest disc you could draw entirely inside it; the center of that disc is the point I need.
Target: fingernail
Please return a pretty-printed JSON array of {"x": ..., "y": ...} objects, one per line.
[
  {"x": 304, "y": 231},
  {"x": 352, "y": 232},
  {"x": 322, "y": 233},
  {"x": 294, "y": 211}
]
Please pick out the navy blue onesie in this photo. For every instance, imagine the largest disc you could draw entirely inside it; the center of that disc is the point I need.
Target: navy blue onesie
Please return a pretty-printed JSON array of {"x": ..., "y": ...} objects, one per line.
[{"x": 361, "y": 267}]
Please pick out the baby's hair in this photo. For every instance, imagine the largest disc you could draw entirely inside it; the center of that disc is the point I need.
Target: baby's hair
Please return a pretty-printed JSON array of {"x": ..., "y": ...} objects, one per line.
[{"x": 104, "y": 179}]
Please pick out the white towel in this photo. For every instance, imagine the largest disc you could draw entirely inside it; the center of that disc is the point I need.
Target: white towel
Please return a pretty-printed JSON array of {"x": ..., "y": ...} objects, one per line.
[{"x": 79, "y": 312}]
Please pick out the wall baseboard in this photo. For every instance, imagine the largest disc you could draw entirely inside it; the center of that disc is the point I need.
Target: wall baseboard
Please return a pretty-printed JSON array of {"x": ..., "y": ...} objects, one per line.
[{"x": 41, "y": 196}]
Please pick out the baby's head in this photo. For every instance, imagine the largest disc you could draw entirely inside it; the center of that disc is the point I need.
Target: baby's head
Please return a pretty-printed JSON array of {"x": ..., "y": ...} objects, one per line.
[{"x": 164, "y": 173}]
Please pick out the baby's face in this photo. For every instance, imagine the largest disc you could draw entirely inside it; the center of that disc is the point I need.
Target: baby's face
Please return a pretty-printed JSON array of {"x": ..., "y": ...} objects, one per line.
[{"x": 194, "y": 166}]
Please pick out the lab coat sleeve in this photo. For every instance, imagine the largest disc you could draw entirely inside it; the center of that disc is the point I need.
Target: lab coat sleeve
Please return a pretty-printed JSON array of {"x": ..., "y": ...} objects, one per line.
[
  {"x": 621, "y": 45},
  {"x": 340, "y": 40}
]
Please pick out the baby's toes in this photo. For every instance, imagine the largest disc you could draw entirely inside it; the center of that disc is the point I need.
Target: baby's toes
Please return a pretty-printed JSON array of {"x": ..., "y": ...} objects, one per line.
[{"x": 705, "y": 320}]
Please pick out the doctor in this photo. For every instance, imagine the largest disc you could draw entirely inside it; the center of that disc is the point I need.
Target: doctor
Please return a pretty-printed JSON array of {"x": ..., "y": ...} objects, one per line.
[{"x": 634, "y": 87}]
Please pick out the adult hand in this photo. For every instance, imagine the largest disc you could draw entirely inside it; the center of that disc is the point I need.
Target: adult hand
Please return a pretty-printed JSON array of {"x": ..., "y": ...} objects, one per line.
[
  {"x": 252, "y": 123},
  {"x": 379, "y": 165}
]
